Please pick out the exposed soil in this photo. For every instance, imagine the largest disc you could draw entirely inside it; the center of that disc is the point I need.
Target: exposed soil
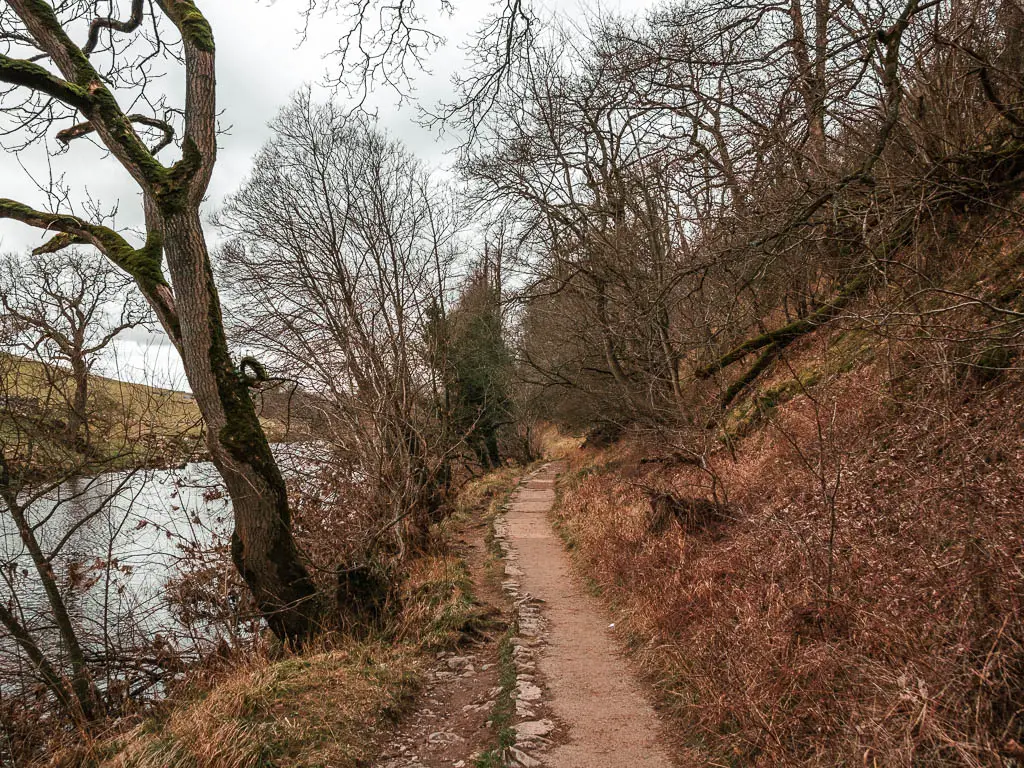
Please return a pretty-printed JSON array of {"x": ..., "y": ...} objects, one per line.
[{"x": 450, "y": 725}]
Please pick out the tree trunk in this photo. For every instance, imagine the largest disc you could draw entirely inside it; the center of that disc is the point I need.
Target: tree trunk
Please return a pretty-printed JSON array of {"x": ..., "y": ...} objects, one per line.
[
  {"x": 262, "y": 545},
  {"x": 51, "y": 677},
  {"x": 493, "y": 455},
  {"x": 77, "y": 433},
  {"x": 86, "y": 697},
  {"x": 1011, "y": 15},
  {"x": 810, "y": 77}
]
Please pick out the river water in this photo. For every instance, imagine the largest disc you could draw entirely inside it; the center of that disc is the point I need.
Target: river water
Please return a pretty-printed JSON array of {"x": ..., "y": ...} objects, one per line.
[{"x": 123, "y": 537}]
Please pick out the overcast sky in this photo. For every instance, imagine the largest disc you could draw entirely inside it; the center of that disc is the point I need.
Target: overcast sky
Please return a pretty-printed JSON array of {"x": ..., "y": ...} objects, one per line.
[{"x": 260, "y": 62}]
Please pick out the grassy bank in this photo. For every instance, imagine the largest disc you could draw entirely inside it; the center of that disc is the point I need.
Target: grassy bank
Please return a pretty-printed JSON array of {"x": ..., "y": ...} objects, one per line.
[
  {"x": 317, "y": 709},
  {"x": 329, "y": 706},
  {"x": 857, "y": 601},
  {"x": 130, "y": 425}
]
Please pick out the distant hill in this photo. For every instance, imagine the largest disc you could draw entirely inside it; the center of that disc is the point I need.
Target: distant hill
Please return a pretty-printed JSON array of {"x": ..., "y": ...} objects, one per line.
[{"x": 130, "y": 424}]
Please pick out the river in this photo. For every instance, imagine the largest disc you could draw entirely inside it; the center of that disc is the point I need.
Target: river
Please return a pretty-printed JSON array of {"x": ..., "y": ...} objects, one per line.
[{"x": 123, "y": 536}]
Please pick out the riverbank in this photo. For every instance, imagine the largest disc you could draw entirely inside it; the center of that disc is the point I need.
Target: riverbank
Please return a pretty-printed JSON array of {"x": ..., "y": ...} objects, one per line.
[
  {"x": 131, "y": 426},
  {"x": 334, "y": 704}
]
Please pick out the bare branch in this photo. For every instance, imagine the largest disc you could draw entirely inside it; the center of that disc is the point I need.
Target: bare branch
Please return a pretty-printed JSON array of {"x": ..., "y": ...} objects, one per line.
[
  {"x": 133, "y": 23},
  {"x": 68, "y": 135}
]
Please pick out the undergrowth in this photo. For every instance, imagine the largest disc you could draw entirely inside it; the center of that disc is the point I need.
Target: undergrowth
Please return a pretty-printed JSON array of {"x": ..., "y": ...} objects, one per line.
[
  {"x": 862, "y": 603},
  {"x": 326, "y": 707}
]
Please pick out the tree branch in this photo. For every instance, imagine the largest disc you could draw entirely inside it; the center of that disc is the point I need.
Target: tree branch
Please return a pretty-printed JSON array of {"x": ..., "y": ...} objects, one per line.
[
  {"x": 993, "y": 97},
  {"x": 29, "y": 75},
  {"x": 108, "y": 22},
  {"x": 68, "y": 135},
  {"x": 144, "y": 264},
  {"x": 787, "y": 333},
  {"x": 71, "y": 228},
  {"x": 96, "y": 101}
]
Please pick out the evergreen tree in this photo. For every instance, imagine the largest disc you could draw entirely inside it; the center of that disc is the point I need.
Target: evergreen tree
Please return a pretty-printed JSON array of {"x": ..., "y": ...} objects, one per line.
[{"x": 478, "y": 367}]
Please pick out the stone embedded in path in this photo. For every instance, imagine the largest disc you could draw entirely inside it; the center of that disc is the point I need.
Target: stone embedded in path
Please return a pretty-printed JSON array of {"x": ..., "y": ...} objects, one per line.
[
  {"x": 444, "y": 737},
  {"x": 523, "y": 760},
  {"x": 533, "y": 729},
  {"x": 527, "y": 691}
]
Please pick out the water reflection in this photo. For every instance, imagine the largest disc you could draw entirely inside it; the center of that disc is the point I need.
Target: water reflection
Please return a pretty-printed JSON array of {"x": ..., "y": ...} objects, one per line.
[{"x": 120, "y": 538}]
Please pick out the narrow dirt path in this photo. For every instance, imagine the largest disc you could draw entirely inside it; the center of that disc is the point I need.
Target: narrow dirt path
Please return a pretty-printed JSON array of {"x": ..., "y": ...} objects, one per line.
[
  {"x": 603, "y": 719},
  {"x": 451, "y": 724},
  {"x": 577, "y": 705}
]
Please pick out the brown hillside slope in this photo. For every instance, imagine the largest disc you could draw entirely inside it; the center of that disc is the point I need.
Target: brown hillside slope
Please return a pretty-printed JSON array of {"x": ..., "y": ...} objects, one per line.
[
  {"x": 852, "y": 594},
  {"x": 130, "y": 424}
]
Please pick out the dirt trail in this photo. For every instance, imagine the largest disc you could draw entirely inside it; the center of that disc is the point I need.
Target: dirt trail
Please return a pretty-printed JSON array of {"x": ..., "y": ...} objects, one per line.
[
  {"x": 604, "y": 720},
  {"x": 577, "y": 704},
  {"x": 451, "y": 724}
]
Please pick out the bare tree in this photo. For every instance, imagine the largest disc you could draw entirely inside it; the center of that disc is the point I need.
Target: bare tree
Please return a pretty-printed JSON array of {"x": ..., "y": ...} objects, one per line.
[
  {"x": 341, "y": 255},
  {"x": 74, "y": 648},
  {"x": 388, "y": 43},
  {"x": 52, "y": 81},
  {"x": 75, "y": 691},
  {"x": 685, "y": 176},
  {"x": 64, "y": 307}
]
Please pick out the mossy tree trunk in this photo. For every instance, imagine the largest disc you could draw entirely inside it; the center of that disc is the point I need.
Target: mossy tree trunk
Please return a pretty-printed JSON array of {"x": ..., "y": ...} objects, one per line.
[
  {"x": 262, "y": 547},
  {"x": 187, "y": 305}
]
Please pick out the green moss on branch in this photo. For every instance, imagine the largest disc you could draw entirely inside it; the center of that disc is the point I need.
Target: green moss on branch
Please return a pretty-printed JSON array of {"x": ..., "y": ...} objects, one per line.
[
  {"x": 195, "y": 29},
  {"x": 35, "y": 77},
  {"x": 791, "y": 331}
]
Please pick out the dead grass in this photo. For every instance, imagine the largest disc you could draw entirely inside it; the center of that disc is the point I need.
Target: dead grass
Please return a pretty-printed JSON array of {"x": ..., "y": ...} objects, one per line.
[
  {"x": 481, "y": 492},
  {"x": 325, "y": 708},
  {"x": 306, "y": 711},
  {"x": 554, "y": 444},
  {"x": 438, "y": 606},
  {"x": 902, "y": 648}
]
